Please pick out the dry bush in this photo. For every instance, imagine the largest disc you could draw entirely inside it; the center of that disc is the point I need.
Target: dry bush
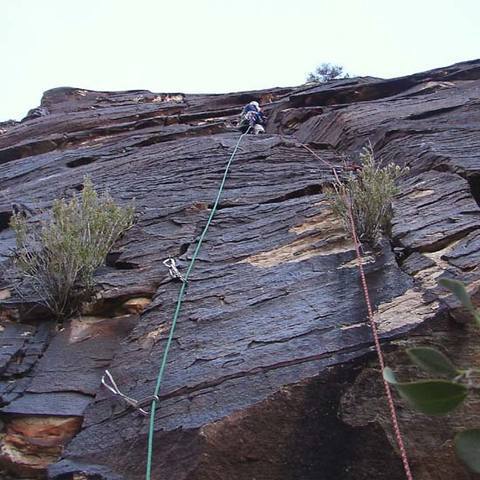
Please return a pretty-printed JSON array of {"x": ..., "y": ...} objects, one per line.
[
  {"x": 58, "y": 257},
  {"x": 370, "y": 194}
]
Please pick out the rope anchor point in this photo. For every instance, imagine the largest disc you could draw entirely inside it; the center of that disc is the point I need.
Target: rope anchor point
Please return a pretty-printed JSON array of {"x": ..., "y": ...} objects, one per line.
[
  {"x": 109, "y": 383},
  {"x": 173, "y": 269}
]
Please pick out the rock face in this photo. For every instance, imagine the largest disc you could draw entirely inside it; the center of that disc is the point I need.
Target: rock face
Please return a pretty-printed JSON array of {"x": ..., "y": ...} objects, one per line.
[{"x": 271, "y": 374}]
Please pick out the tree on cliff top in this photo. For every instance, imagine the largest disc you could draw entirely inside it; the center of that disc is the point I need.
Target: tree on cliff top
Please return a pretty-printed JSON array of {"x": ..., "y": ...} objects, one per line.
[{"x": 326, "y": 72}]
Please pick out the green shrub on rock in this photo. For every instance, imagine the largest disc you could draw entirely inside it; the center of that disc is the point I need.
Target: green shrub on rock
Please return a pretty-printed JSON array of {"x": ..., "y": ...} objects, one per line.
[
  {"x": 369, "y": 194},
  {"x": 58, "y": 257}
]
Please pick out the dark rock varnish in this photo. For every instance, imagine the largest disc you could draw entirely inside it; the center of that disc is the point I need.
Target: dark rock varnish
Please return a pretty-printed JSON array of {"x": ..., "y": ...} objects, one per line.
[{"x": 266, "y": 378}]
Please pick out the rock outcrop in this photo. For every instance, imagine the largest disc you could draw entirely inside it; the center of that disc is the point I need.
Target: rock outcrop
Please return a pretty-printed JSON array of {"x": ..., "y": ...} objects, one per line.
[{"x": 272, "y": 373}]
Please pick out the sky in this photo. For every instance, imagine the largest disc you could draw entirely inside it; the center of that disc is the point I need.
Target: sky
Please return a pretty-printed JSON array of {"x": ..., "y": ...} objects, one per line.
[{"x": 216, "y": 46}]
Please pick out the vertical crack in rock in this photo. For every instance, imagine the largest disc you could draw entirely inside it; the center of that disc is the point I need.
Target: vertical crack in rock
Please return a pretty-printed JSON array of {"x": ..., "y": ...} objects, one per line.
[
  {"x": 474, "y": 182},
  {"x": 5, "y": 220}
]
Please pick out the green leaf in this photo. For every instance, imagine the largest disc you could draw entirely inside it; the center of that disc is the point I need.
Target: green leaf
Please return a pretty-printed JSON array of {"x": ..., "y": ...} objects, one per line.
[
  {"x": 432, "y": 397},
  {"x": 467, "y": 444},
  {"x": 459, "y": 290},
  {"x": 433, "y": 361},
  {"x": 389, "y": 376}
]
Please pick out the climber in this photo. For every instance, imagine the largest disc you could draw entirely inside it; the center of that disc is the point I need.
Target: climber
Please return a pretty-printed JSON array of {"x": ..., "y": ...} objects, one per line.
[{"x": 253, "y": 117}]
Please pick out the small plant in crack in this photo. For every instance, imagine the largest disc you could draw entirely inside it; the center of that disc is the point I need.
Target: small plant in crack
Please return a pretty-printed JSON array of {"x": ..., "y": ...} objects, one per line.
[
  {"x": 57, "y": 257},
  {"x": 369, "y": 195}
]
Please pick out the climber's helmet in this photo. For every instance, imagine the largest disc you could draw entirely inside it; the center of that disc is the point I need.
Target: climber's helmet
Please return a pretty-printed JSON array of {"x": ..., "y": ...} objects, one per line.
[{"x": 256, "y": 105}]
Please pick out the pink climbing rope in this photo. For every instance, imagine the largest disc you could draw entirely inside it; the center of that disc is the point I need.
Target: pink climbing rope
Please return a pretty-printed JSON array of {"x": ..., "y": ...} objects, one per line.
[{"x": 373, "y": 326}]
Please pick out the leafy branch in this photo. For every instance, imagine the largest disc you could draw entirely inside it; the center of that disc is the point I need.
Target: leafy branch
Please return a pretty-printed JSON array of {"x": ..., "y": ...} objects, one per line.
[{"x": 439, "y": 396}]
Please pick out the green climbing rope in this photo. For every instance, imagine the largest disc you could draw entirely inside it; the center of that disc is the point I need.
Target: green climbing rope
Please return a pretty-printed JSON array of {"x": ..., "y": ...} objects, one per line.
[{"x": 178, "y": 307}]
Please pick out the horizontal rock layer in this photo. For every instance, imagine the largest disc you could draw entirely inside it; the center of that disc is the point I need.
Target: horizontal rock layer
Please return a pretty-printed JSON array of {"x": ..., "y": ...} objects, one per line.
[{"x": 273, "y": 331}]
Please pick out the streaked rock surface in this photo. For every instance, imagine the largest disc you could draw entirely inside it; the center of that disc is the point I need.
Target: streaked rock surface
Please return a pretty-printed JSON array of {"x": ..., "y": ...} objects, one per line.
[{"x": 272, "y": 341}]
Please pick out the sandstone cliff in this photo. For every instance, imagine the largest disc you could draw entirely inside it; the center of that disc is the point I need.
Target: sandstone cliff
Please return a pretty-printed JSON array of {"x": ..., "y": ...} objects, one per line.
[{"x": 272, "y": 373}]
